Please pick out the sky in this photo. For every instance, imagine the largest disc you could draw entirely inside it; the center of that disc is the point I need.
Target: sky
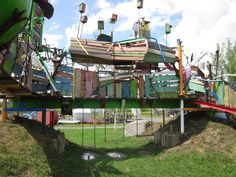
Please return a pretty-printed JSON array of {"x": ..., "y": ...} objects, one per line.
[{"x": 200, "y": 24}]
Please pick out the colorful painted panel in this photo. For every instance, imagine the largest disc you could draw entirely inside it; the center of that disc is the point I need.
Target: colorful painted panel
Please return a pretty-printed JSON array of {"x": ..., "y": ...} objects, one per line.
[
  {"x": 133, "y": 88},
  {"x": 118, "y": 90},
  {"x": 125, "y": 89},
  {"x": 88, "y": 84}
]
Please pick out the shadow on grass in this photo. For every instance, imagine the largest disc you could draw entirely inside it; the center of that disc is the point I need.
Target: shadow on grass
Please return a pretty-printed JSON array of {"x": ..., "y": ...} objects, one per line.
[{"x": 70, "y": 163}]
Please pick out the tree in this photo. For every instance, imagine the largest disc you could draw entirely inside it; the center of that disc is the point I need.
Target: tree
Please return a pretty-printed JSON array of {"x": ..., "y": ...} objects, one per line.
[{"x": 227, "y": 63}]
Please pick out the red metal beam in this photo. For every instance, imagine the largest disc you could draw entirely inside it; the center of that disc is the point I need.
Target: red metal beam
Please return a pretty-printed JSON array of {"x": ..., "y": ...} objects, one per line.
[{"x": 216, "y": 107}]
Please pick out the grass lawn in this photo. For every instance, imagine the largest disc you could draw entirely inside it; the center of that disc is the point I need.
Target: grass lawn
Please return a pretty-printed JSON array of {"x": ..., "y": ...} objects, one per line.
[
  {"x": 26, "y": 151},
  {"x": 144, "y": 159}
]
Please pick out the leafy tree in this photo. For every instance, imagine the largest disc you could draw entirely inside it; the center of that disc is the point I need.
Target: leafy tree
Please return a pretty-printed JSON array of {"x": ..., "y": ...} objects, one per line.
[{"x": 227, "y": 63}]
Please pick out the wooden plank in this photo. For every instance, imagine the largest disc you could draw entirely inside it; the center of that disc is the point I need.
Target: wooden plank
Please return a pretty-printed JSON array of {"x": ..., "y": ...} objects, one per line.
[
  {"x": 88, "y": 84},
  {"x": 36, "y": 87},
  {"x": 166, "y": 83},
  {"x": 95, "y": 83},
  {"x": 196, "y": 87},
  {"x": 148, "y": 87},
  {"x": 141, "y": 87},
  {"x": 165, "y": 78},
  {"x": 40, "y": 73},
  {"x": 39, "y": 79},
  {"x": 65, "y": 75},
  {"x": 220, "y": 94},
  {"x": 64, "y": 87},
  {"x": 166, "y": 95},
  {"x": 10, "y": 58},
  {"x": 29, "y": 75},
  {"x": 63, "y": 80},
  {"x": 82, "y": 88},
  {"x": 133, "y": 88},
  {"x": 102, "y": 91},
  {"x": 165, "y": 89},
  {"x": 65, "y": 68},
  {"x": 125, "y": 89},
  {"x": 226, "y": 97},
  {"x": 17, "y": 69},
  {"x": 77, "y": 83},
  {"x": 118, "y": 90},
  {"x": 110, "y": 90}
]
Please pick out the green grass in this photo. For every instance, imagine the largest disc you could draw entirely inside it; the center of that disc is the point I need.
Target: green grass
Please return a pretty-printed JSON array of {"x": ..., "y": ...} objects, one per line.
[
  {"x": 114, "y": 138},
  {"x": 26, "y": 151}
]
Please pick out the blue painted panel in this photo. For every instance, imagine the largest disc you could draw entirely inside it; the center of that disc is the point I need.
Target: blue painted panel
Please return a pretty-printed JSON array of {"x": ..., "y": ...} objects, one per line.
[
  {"x": 38, "y": 73},
  {"x": 63, "y": 80},
  {"x": 17, "y": 69},
  {"x": 39, "y": 87},
  {"x": 65, "y": 68},
  {"x": 125, "y": 89},
  {"x": 63, "y": 87}
]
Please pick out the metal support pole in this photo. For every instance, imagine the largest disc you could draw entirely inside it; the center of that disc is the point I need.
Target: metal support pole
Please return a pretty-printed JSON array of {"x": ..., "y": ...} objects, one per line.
[
  {"x": 79, "y": 25},
  {"x": 105, "y": 126},
  {"x": 82, "y": 27},
  {"x": 182, "y": 116},
  {"x": 181, "y": 86},
  {"x": 4, "y": 113},
  {"x": 124, "y": 129},
  {"x": 163, "y": 118},
  {"x": 83, "y": 128},
  {"x": 44, "y": 119},
  {"x": 94, "y": 128},
  {"x": 52, "y": 119},
  {"x": 166, "y": 39},
  {"x": 136, "y": 122},
  {"x": 152, "y": 119},
  {"x": 115, "y": 119}
]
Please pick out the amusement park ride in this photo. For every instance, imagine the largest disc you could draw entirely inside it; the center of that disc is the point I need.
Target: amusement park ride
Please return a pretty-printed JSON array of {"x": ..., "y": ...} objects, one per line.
[{"x": 142, "y": 73}]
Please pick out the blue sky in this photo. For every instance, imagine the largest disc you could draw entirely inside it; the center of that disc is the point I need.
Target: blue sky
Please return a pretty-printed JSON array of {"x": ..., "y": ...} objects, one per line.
[{"x": 199, "y": 26}]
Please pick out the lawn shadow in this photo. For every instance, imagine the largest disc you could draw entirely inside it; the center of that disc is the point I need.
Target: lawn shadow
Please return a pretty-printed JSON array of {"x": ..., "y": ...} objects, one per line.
[{"x": 70, "y": 163}]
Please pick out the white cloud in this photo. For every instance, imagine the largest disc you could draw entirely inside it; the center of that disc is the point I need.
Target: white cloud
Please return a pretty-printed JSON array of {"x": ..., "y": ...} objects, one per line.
[
  {"x": 102, "y": 4},
  {"x": 53, "y": 39},
  {"x": 54, "y": 26},
  {"x": 201, "y": 26},
  {"x": 53, "y": 1},
  {"x": 127, "y": 15},
  {"x": 205, "y": 23}
]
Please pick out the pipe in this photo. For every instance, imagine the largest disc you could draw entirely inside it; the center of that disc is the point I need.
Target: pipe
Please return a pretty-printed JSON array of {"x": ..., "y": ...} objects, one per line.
[{"x": 182, "y": 116}]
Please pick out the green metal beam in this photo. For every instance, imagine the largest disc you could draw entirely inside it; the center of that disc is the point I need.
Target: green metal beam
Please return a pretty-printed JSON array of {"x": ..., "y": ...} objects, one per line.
[{"x": 54, "y": 102}]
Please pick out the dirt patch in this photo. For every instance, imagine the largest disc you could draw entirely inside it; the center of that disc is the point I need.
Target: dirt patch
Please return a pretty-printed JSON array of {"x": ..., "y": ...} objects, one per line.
[{"x": 216, "y": 137}]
